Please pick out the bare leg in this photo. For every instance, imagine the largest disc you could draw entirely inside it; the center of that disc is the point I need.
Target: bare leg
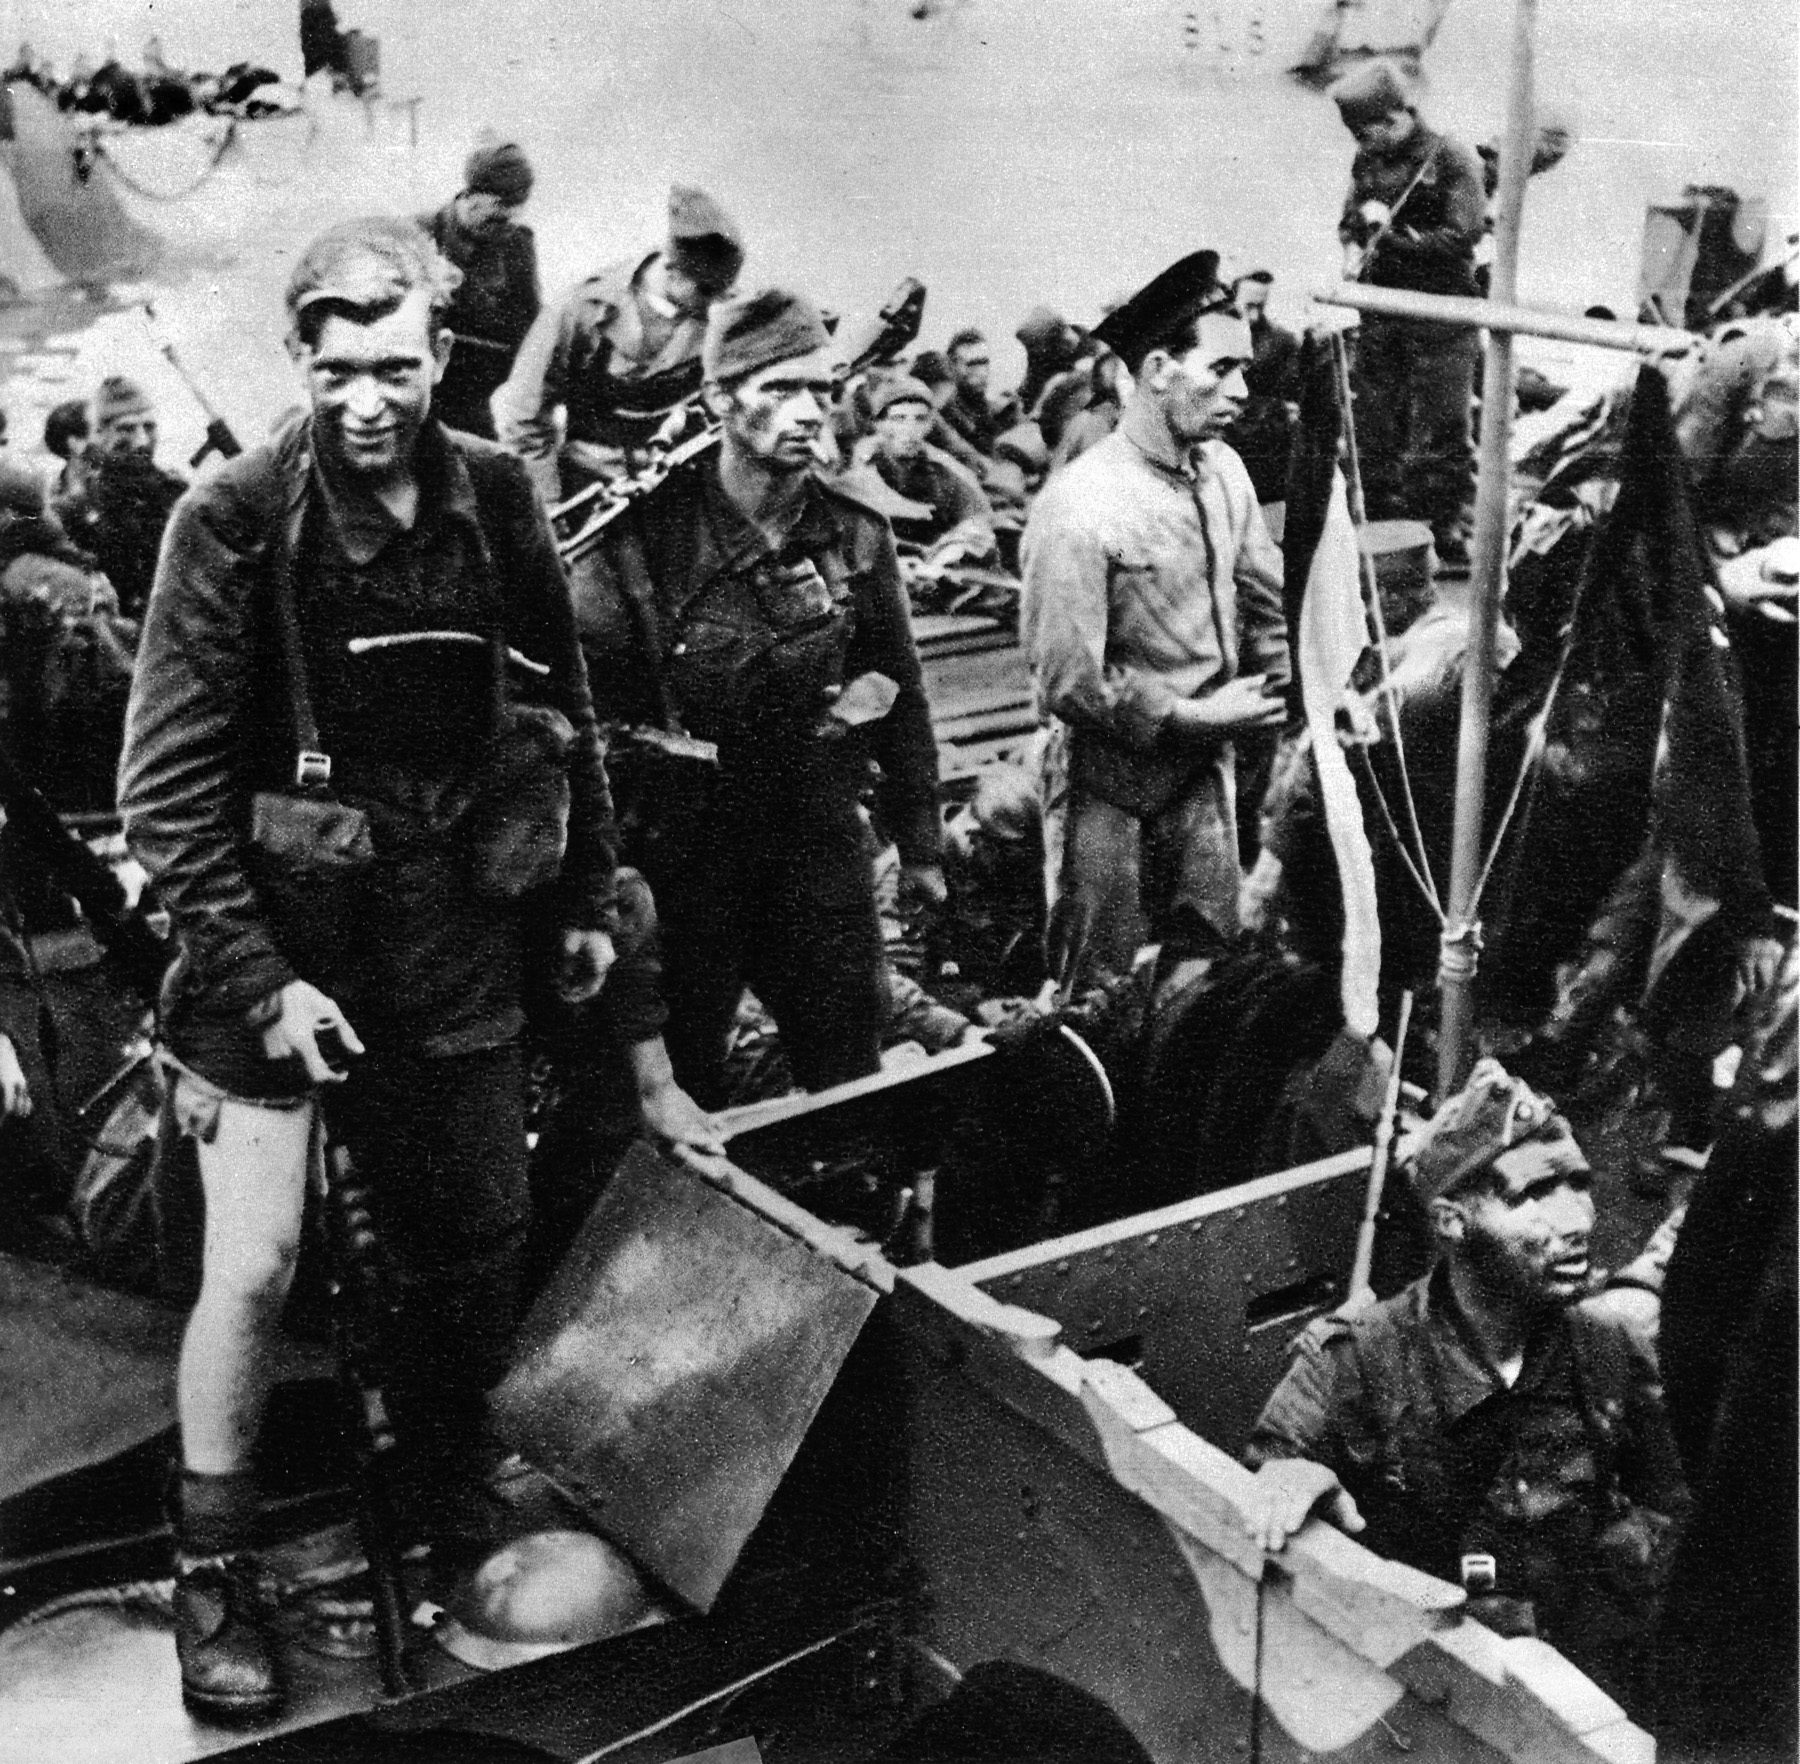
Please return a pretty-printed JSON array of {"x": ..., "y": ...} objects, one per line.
[{"x": 253, "y": 1173}]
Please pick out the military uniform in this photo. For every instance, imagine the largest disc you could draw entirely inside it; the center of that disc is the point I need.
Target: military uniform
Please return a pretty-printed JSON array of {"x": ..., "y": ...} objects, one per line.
[
  {"x": 589, "y": 355},
  {"x": 490, "y": 314},
  {"x": 759, "y": 866},
  {"x": 1414, "y": 381},
  {"x": 1568, "y": 1477}
]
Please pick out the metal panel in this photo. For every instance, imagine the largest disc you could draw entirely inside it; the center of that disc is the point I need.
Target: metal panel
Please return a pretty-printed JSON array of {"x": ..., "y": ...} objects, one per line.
[
  {"x": 1202, "y": 1300},
  {"x": 674, "y": 1364}
]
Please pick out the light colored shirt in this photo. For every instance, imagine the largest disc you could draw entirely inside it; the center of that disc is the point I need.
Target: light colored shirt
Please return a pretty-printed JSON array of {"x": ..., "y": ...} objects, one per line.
[{"x": 1149, "y": 577}]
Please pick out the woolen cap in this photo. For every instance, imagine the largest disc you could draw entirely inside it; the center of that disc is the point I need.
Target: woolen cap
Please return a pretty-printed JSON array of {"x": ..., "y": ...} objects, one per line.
[
  {"x": 902, "y": 390},
  {"x": 746, "y": 335},
  {"x": 498, "y": 168},
  {"x": 1041, "y": 327},
  {"x": 1158, "y": 312},
  {"x": 116, "y": 395},
  {"x": 1492, "y": 1115},
  {"x": 1369, "y": 93},
  {"x": 21, "y": 490},
  {"x": 704, "y": 242}
]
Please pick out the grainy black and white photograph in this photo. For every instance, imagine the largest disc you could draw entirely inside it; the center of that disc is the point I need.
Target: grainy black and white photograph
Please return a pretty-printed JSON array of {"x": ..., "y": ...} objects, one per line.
[{"x": 899, "y": 881}]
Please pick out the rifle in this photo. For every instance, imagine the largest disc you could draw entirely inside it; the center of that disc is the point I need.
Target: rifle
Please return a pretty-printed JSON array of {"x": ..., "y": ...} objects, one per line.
[
  {"x": 219, "y": 438},
  {"x": 890, "y": 331},
  {"x": 142, "y": 956},
  {"x": 361, "y": 1320}
]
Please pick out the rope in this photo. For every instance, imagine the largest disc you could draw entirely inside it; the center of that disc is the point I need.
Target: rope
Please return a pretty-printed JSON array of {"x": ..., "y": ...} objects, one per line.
[
  {"x": 1387, "y": 814},
  {"x": 1359, "y": 511},
  {"x": 225, "y": 143}
]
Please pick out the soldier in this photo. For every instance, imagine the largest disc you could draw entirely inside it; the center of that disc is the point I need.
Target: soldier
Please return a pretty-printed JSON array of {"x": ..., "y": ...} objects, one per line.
[
  {"x": 1260, "y": 436},
  {"x": 368, "y": 602},
  {"x": 1152, "y": 616},
  {"x": 737, "y": 600},
  {"x": 1413, "y": 218},
  {"x": 478, "y": 230},
  {"x": 620, "y": 354},
  {"x": 119, "y": 510},
  {"x": 971, "y": 416},
  {"x": 1480, "y": 1425},
  {"x": 961, "y": 519}
]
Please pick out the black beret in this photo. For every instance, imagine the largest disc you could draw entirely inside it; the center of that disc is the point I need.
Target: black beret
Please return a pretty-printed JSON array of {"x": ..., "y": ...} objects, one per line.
[{"x": 1159, "y": 312}]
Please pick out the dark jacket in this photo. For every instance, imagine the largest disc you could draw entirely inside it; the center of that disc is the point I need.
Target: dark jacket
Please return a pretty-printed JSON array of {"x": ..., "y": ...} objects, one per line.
[
  {"x": 1445, "y": 1460},
  {"x": 679, "y": 549},
  {"x": 118, "y": 518},
  {"x": 1430, "y": 247},
  {"x": 490, "y": 313},
  {"x": 210, "y": 722}
]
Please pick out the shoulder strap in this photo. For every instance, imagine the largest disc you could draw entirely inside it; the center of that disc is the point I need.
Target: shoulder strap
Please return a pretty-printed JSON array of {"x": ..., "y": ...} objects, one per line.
[
  {"x": 291, "y": 469},
  {"x": 640, "y": 597}
]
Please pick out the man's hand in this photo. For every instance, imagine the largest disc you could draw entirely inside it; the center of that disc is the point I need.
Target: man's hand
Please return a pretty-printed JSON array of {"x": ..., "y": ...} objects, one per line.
[
  {"x": 1376, "y": 213},
  {"x": 1284, "y": 1495},
  {"x": 923, "y": 890},
  {"x": 15, "y": 1093},
  {"x": 582, "y": 969},
  {"x": 1240, "y": 704},
  {"x": 1758, "y": 961},
  {"x": 666, "y": 1110},
  {"x": 304, "y": 1014}
]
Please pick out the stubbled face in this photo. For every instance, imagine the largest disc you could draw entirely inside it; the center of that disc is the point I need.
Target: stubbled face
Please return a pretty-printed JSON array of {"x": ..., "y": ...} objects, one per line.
[
  {"x": 1526, "y": 1239},
  {"x": 1202, "y": 390},
  {"x": 902, "y": 429},
  {"x": 971, "y": 365},
  {"x": 1383, "y": 134},
  {"x": 481, "y": 211},
  {"x": 370, "y": 386},
  {"x": 129, "y": 431},
  {"x": 774, "y": 417}
]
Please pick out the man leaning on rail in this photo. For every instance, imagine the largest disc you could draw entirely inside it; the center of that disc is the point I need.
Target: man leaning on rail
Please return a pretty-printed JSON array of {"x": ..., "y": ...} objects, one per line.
[{"x": 1481, "y": 1424}]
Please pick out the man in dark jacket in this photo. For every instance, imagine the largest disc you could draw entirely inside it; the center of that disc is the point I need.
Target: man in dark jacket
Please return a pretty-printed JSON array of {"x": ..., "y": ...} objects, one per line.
[
  {"x": 1480, "y": 1425},
  {"x": 738, "y": 602},
  {"x": 118, "y": 513},
  {"x": 1413, "y": 218},
  {"x": 478, "y": 231},
  {"x": 1260, "y": 435},
  {"x": 430, "y": 616},
  {"x": 619, "y": 355}
]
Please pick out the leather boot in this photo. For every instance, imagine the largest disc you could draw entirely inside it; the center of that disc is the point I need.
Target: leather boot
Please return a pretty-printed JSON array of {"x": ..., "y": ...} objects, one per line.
[{"x": 227, "y": 1665}]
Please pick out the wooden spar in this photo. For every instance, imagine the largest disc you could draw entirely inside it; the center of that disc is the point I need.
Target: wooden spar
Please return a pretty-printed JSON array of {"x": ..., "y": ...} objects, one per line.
[
  {"x": 1521, "y": 321},
  {"x": 1459, "y": 948}
]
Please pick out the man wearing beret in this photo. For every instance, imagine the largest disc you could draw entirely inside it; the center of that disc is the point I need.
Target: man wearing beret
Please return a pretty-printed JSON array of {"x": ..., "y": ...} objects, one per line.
[
  {"x": 740, "y": 602},
  {"x": 1480, "y": 1424},
  {"x": 620, "y": 353},
  {"x": 361, "y": 808},
  {"x": 1413, "y": 218},
  {"x": 118, "y": 513},
  {"x": 1151, "y": 614},
  {"x": 961, "y": 518},
  {"x": 478, "y": 230}
]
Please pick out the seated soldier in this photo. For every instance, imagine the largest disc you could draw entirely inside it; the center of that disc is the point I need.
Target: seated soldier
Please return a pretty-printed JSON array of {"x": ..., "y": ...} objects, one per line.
[
  {"x": 960, "y": 518},
  {"x": 1480, "y": 1425}
]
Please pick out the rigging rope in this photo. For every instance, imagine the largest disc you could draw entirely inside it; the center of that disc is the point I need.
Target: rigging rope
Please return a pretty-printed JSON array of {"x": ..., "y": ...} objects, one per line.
[{"x": 224, "y": 145}]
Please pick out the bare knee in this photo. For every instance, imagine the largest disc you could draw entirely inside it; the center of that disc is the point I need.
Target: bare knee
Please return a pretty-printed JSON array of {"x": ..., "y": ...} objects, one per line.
[{"x": 253, "y": 1279}]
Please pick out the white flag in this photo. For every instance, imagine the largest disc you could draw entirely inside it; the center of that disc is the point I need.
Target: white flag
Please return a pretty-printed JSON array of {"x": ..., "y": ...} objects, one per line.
[{"x": 1333, "y": 633}]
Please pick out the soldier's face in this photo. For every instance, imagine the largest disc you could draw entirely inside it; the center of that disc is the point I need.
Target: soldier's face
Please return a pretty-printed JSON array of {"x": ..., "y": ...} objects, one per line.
[
  {"x": 971, "y": 365},
  {"x": 1202, "y": 390},
  {"x": 370, "y": 386},
  {"x": 1526, "y": 1236},
  {"x": 481, "y": 211},
  {"x": 130, "y": 431},
  {"x": 1383, "y": 134},
  {"x": 776, "y": 415},
  {"x": 902, "y": 428}
]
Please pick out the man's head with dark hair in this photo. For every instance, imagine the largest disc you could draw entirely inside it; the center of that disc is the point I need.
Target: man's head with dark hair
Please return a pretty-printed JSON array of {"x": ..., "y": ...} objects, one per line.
[
  {"x": 362, "y": 270},
  {"x": 66, "y": 428},
  {"x": 970, "y": 363},
  {"x": 366, "y": 303},
  {"x": 1250, "y": 295}
]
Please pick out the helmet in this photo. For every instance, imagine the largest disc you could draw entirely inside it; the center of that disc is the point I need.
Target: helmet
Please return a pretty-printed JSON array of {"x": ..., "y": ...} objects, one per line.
[{"x": 541, "y": 1594}]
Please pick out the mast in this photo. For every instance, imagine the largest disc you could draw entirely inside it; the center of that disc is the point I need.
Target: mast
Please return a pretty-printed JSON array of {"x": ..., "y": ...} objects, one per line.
[{"x": 1460, "y": 946}]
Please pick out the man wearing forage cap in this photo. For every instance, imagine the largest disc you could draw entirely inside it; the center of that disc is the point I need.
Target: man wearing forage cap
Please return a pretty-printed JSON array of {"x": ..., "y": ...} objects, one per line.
[
  {"x": 619, "y": 354},
  {"x": 743, "y": 602},
  {"x": 1481, "y": 1425},
  {"x": 1413, "y": 217},
  {"x": 1151, "y": 615},
  {"x": 490, "y": 313}
]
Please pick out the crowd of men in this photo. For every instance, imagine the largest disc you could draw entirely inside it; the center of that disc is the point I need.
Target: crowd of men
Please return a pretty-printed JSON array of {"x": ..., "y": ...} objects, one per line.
[{"x": 364, "y": 766}]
